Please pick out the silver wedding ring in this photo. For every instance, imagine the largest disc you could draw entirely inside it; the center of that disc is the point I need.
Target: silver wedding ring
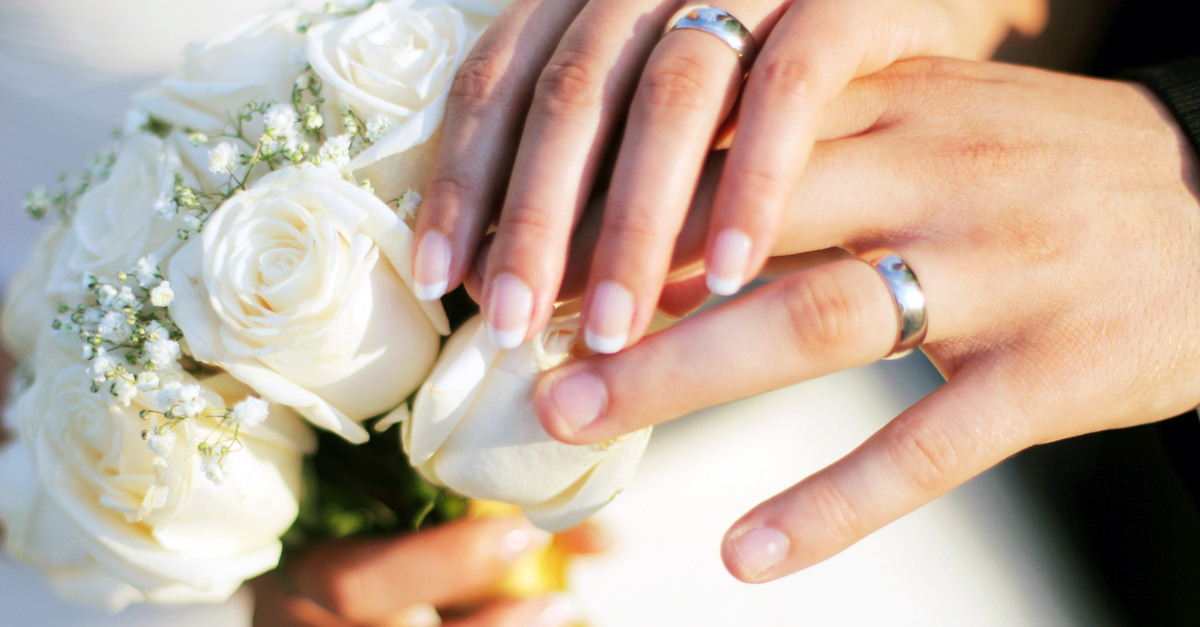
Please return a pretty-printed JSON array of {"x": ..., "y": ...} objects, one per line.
[
  {"x": 906, "y": 296},
  {"x": 718, "y": 23}
]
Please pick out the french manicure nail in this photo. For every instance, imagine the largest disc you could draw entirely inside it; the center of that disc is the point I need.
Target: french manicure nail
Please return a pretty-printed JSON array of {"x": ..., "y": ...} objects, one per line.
[
  {"x": 578, "y": 400},
  {"x": 610, "y": 318},
  {"x": 726, "y": 269},
  {"x": 760, "y": 549},
  {"x": 522, "y": 541},
  {"x": 561, "y": 610},
  {"x": 431, "y": 273},
  {"x": 509, "y": 310}
]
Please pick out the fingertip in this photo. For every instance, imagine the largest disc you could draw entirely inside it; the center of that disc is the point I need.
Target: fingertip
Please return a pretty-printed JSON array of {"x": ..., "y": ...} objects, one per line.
[
  {"x": 728, "y": 261},
  {"x": 508, "y": 310},
  {"x": 570, "y": 400},
  {"x": 755, "y": 553}
]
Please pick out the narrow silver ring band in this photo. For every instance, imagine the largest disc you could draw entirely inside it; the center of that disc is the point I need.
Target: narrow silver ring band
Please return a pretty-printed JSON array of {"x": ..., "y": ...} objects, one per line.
[
  {"x": 718, "y": 23},
  {"x": 906, "y": 296}
]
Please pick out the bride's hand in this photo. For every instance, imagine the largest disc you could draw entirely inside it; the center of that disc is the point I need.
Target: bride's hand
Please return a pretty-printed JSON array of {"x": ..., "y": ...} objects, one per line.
[
  {"x": 1054, "y": 225},
  {"x": 575, "y": 65},
  {"x": 399, "y": 581}
]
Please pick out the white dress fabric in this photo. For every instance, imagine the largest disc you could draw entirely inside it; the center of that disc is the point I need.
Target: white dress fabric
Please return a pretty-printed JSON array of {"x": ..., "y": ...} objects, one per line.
[{"x": 975, "y": 557}]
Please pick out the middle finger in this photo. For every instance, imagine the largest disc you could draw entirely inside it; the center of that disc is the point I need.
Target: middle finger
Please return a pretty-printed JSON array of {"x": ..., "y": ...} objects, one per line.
[{"x": 687, "y": 89}]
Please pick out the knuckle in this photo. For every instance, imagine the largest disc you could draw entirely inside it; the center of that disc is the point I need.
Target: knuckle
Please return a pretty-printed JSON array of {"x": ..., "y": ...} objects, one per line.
[
  {"x": 676, "y": 84},
  {"x": 529, "y": 220},
  {"x": 924, "y": 455},
  {"x": 820, "y": 314},
  {"x": 569, "y": 81},
  {"x": 796, "y": 78},
  {"x": 449, "y": 189},
  {"x": 758, "y": 181},
  {"x": 839, "y": 516},
  {"x": 479, "y": 81},
  {"x": 634, "y": 227}
]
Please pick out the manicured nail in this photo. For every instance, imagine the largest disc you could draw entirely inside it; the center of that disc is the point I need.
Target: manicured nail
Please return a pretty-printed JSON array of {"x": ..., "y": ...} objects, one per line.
[
  {"x": 760, "y": 549},
  {"x": 578, "y": 400},
  {"x": 508, "y": 311},
  {"x": 431, "y": 272},
  {"x": 726, "y": 269},
  {"x": 522, "y": 541},
  {"x": 609, "y": 318},
  {"x": 561, "y": 610}
]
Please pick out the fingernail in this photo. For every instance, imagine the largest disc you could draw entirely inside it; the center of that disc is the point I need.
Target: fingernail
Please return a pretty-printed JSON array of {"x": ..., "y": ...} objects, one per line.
[
  {"x": 522, "y": 541},
  {"x": 578, "y": 400},
  {"x": 431, "y": 273},
  {"x": 760, "y": 549},
  {"x": 508, "y": 311},
  {"x": 609, "y": 319},
  {"x": 561, "y": 610},
  {"x": 726, "y": 268}
]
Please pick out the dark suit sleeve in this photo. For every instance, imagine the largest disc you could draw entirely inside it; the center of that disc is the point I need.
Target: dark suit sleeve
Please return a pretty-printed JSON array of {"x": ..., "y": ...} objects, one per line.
[{"x": 1177, "y": 85}]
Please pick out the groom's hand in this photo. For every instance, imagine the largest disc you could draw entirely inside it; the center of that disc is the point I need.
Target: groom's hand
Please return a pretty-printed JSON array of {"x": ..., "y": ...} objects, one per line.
[{"x": 1054, "y": 225}]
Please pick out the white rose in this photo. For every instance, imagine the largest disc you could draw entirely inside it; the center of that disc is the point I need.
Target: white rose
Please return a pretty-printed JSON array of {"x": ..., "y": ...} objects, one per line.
[
  {"x": 28, "y": 305},
  {"x": 254, "y": 62},
  {"x": 474, "y": 430},
  {"x": 116, "y": 224},
  {"x": 301, "y": 287},
  {"x": 87, "y": 500},
  {"x": 393, "y": 64}
]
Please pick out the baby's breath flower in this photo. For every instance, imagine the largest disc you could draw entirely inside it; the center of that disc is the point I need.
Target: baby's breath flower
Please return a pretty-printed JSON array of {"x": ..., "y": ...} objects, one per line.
[
  {"x": 197, "y": 138},
  {"x": 113, "y": 327},
  {"x": 155, "y": 331},
  {"x": 165, "y": 207},
  {"x": 212, "y": 469},
  {"x": 162, "y": 295},
  {"x": 279, "y": 120},
  {"x": 378, "y": 127},
  {"x": 183, "y": 401},
  {"x": 410, "y": 202},
  {"x": 37, "y": 202},
  {"x": 335, "y": 154},
  {"x": 223, "y": 158},
  {"x": 147, "y": 381},
  {"x": 163, "y": 444},
  {"x": 192, "y": 222},
  {"x": 146, "y": 271},
  {"x": 313, "y": 119},
  {"x": 124, "y": 390},
  {"x": 249, "y": 413},
  {"x": 103, "y": 366},
  {"x": 162, "y": 352}
]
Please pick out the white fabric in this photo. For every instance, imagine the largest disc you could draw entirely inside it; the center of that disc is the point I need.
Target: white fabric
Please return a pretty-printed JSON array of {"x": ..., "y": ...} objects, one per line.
[{"x": 976, "y": 557}]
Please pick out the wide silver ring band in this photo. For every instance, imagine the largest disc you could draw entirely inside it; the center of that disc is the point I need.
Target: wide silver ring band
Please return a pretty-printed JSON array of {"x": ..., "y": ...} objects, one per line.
[
  {"x": 906, "y": 296},
  {"x": 718, "y": 23}
]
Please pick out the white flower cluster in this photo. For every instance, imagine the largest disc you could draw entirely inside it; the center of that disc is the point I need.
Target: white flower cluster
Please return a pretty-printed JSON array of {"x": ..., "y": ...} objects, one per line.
[
  {"x": 133, "y": 346},
  {"x": 247, "y": 273}
]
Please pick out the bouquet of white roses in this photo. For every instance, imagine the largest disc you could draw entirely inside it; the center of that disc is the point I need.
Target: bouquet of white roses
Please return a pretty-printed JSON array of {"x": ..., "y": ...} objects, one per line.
[{"x": 237, "y": 271}]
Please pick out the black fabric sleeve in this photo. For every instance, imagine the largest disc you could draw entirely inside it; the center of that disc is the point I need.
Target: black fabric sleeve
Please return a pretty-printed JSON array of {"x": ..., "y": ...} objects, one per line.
[{"x": 1177, "y": 85}]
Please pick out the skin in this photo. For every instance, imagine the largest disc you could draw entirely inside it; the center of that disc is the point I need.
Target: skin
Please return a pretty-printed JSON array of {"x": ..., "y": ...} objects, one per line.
[
  {"x": 585, "y": 70},
  {"x": 360, "y": 582},
  {"x": 1054, "y": 225}
]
